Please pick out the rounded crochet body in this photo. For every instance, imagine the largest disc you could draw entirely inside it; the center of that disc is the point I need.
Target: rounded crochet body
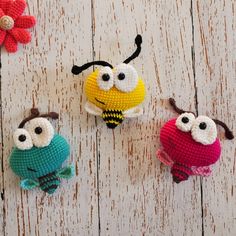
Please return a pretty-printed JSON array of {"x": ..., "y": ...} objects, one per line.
[
  {"x": 113, "y": 99},
  {"x": 37, "y": 162},
  {"x": 183, "y": 149}
]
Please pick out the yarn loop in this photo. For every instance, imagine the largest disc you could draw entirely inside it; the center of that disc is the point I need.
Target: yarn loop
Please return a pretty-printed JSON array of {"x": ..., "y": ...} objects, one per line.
[{"x": 6, "y": 22}]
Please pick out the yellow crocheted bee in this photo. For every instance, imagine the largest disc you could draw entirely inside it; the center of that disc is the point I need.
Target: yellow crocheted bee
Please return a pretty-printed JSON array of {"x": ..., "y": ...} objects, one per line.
[{"x": 114, "y": 93}]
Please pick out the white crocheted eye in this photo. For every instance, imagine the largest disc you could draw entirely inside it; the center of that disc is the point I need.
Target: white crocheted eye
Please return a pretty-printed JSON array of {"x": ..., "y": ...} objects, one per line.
[
  {"x": 105, "y": 79},
  {"x": 41, "y": 131},
  {"x": 204, "y": 130},
  {"x": 126, "y": 78},
  {"x": 185, "y": 121},
  {"x": 22, "y": 139}
]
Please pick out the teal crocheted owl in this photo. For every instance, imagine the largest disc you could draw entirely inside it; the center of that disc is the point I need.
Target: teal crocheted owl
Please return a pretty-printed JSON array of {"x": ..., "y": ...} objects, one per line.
[{"x": 39, "y": 153}]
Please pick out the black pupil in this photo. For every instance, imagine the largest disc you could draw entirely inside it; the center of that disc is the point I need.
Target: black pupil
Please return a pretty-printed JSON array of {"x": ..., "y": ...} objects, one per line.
[
  {"x": 121, "y": 76},
  {"x": 22, "y": 138},
  {"x": 38, "y": 130},
  {"x": 185, "y": 120},
  {"x": 105, "y": 77},
  {"x": 202, "y": 125}
]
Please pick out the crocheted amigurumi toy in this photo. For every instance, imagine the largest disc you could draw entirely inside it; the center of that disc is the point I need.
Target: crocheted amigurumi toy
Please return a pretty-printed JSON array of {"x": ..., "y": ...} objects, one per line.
[
  {"x": 39, "y": 153},
  {"x": 190, "y": 144},
  {"x": 114, "y": 92},
  {"x": 13, "y": 25}
]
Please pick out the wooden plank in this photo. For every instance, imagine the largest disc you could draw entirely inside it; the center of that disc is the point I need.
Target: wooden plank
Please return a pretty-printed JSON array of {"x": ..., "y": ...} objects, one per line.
[
  {"x": 40, "y": 72},
  {"x": 215, "y": 50},
  {"x": 1, "y": 170},
  {"x": 137, "y": 195}
]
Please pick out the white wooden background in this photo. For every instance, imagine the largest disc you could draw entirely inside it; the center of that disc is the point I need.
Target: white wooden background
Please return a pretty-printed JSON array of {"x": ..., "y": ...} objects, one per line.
[{"x": 189, "y": 52}]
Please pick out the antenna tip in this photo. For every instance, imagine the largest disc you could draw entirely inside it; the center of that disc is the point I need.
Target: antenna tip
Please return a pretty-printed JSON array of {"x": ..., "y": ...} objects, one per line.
[
  {"x": 172, "y": 101},
  {"x": 76, "y": 70},
  {"x": 229, "y": 135},
  {"x": 54, "y": 115},
  {"x": 34, "y": 111},
  {"x": 138, "y": 39}
]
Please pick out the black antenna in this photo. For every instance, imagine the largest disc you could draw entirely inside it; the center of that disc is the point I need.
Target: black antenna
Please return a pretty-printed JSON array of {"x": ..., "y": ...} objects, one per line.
[
  {"x": 138, "y": 42},
  {"x": 176, "y": 108},
  {"x": 34, "y": 112},
  {"x": 228, "y": 133},
  {"x": 78, "y": 69}
]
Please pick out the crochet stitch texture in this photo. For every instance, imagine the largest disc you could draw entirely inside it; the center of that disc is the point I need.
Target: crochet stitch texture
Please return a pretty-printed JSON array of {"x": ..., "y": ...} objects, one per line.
[
  {"x": 190, "y": 144},
  {"x": 113, "y": 99},
  {"x": 13, "y": 25},
  {"x": 39, "y": 154},
  {"x": 182, "y": 148},
  {"x": 187, "y": 156},
  {"x": 42, "y": 160},
  {"x": 114, "y": 93}
]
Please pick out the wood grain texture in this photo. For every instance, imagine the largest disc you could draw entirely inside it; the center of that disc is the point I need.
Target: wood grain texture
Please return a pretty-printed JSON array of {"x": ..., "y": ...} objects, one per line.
[
  {"x": 40, "y": 73},
  {"x": 215, "y": 50},
  {"x": 136, "y": 194},
  {"x": 120, "y": 188},
  {"x": 1, "y": 174}
]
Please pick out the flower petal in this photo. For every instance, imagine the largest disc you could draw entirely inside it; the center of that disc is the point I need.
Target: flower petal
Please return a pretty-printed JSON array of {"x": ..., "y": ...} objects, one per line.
[
  {"x": 20, "y": 35},
  {"x": 25, "y": 22},
  {"x": 10, "y": 43},
  {"x": 2, "y": 36},
  {"x": 16, "y": 9},
  {"x": 5, "y": 4},
  {"x": 1, "y": 13}
]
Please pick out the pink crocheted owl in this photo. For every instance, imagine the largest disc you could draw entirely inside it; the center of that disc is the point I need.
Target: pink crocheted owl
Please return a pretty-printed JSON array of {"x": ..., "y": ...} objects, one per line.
[{"x": 190, "y": 144}]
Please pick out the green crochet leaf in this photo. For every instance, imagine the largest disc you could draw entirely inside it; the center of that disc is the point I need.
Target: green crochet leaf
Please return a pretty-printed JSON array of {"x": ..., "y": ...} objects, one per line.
[
  {"x": 28, "y": 184},
  {"x": 66, "y": 172}
]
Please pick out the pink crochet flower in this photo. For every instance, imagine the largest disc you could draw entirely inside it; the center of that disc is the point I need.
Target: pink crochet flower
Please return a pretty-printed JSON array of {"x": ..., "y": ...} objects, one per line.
[{"x": 13, "y": 25}]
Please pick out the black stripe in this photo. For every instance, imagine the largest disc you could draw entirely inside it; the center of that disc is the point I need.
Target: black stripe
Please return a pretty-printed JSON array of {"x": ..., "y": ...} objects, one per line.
[
  {"x": 45, "y": 181},
  {"x": 182, "y": 176},
  {"x": 54, "y": 186},
  {"x": 50, "y": 182},
  {"x": 113, "y": 111},
  {"x": 184, "y": 166},
  {"x": 113, "y": 118},
  {"x": 181, "y": 173},
  {"x": 48, "y": 175},
  {"x": 112, "y": 115}
]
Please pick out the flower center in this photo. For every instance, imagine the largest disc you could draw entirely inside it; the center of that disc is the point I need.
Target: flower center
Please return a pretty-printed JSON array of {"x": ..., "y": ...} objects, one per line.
[{"x": 6, "y": 23}]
